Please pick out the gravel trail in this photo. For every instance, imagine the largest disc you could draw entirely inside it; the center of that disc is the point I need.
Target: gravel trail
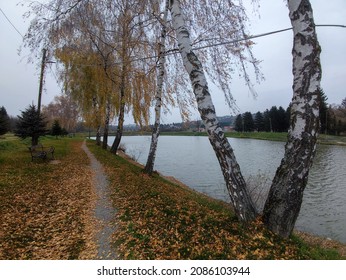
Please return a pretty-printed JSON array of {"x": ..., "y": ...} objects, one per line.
[{"x": 104, "y": 211}]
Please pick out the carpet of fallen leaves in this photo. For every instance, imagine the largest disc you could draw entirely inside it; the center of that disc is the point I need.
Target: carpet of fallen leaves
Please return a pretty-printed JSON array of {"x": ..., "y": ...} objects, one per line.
[
  {"x": 46, "y": 209},
  {"x": 157, "y": 219}
]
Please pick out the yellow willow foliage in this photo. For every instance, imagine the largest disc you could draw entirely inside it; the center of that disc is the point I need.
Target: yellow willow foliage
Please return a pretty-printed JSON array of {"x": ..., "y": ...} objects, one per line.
[
  {"x": 88, "y": 85},
  {"x": 143, "y": 87}
]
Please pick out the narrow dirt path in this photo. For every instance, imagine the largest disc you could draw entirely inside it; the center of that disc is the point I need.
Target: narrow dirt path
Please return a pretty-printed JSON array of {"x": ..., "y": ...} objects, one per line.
[{"x": 104, "y": 211}]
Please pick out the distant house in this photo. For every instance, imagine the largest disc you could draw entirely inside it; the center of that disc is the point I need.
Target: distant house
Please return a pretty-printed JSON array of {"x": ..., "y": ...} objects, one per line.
[{"x": 228, "y": 128}]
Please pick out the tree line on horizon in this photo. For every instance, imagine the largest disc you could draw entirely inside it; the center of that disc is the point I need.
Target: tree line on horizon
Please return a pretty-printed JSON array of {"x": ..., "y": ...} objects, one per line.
[
  {"x": 273, "y": 120},
  {"x": 332, "y": 118},
  {"x": 61, "y": 118}
]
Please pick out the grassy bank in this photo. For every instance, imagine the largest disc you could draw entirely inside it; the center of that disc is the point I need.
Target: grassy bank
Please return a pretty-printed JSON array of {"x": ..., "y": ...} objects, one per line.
[
  {"x": 271, "y": 136},
  {"x": 45, "y": 206},
  {"x": 46, "y": 212},
  {"x": 161, "y": 220}
]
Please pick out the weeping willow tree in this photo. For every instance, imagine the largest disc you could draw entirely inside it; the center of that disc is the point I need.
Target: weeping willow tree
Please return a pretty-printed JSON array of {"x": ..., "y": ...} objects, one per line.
[
  {"x": 88, "y": 85},
  {"x": 114, "y": 32},
  {"x": 137, "y": 80}
]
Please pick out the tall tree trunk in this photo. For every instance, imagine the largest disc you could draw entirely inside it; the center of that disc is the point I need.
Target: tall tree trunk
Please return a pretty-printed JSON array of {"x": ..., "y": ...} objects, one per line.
[
  {"x": 34, "y": 140},
  {"x": 106, "y": 128},
  {"x": 121, "y": 116},
  {"x": 286, "y": 193},
  {"x": 123, "y": 82},
  {"x": 98, "y": 135},
  {"x": 158, "y": 97},
  {"x": 235, "y": 182}
]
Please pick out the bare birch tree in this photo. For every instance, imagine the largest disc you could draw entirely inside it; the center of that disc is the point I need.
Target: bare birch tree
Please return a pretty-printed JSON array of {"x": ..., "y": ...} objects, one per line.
[
  {"x": 286, "y": 193},
  {"x": 210, "y": 23},
  {"x": 158, "y": 96},
  {"x": 235, "y": 182}
]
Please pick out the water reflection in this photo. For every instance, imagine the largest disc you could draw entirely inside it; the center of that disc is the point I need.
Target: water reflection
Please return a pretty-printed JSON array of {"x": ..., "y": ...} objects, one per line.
[{"x": 324, "y": 208}]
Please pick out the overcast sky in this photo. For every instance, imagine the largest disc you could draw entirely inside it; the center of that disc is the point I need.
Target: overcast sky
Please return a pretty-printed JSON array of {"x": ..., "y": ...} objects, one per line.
[{"x": 19, "y": 80}]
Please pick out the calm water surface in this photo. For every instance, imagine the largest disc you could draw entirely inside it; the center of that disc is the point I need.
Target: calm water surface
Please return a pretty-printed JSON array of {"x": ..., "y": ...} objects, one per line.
[{"x": 192, "y": 161}]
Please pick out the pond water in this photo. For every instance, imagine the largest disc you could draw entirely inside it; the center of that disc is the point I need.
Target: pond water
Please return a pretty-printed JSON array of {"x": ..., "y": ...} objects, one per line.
[{"x": 191, "y": 160}]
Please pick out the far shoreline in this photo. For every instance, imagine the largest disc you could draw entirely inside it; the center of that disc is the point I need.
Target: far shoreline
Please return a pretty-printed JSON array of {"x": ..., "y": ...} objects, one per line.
[{"x": 323, "y": 139}]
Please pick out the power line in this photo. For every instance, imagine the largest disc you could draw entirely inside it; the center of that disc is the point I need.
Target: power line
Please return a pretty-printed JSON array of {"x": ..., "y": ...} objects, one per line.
[
  {"x": 262, "y": 35},
  {"x": 175, "y": 51},
  {"x": 11, "y": 23}
]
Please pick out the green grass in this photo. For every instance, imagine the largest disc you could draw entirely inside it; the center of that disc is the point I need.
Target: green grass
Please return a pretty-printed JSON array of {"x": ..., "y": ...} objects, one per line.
[
  {"x": 271, "y": 136},
  {"x": 314, "y": 251}
]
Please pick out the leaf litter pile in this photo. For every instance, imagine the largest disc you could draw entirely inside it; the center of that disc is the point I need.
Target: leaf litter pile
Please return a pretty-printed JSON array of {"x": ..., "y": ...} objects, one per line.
[{"x": 46, "y": 212}]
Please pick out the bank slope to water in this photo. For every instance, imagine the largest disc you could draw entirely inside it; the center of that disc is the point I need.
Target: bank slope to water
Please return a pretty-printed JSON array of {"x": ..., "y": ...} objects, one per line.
[{"x": 157, "y": 219}]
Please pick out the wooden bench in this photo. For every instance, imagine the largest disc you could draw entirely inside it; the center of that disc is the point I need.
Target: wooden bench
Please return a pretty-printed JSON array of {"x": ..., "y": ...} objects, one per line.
[{"x": 39, "y": 151}]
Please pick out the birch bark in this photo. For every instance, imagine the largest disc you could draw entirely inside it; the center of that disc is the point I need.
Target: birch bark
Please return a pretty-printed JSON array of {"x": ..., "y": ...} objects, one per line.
[
  {"x": 286, "y": 193},
  {"x": 158, "y": 97},
  {"x": 235, "y": 182}
]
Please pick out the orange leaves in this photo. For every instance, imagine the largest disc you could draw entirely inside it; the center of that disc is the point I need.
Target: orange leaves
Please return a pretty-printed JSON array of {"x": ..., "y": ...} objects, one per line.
[
  {"x": 160, "y": 220},
  {"x": 47, "y": 214}
]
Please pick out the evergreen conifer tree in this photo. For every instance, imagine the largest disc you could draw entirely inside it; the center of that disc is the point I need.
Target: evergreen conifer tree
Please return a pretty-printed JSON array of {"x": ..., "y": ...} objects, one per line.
[
  {"x": 56, "y": 129},
  {"x": 238, "y": 124},
  {"x": 31, "y": 124},
  {"x": 4, "y": 121}
]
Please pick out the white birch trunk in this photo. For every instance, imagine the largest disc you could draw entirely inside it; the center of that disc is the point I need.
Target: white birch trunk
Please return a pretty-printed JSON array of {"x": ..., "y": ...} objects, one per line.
[
  {"x": 235, "y": 183},
  {"x": 285, "y": 197},
  {"x": 158, "y": 97}
]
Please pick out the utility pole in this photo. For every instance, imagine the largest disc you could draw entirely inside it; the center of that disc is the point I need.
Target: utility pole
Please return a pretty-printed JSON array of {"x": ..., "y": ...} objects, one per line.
[{"x": 43, "y": 65}]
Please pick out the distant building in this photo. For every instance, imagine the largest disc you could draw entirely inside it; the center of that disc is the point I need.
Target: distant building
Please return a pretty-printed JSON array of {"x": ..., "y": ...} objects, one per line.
[{"x": 228, "y": 128}]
